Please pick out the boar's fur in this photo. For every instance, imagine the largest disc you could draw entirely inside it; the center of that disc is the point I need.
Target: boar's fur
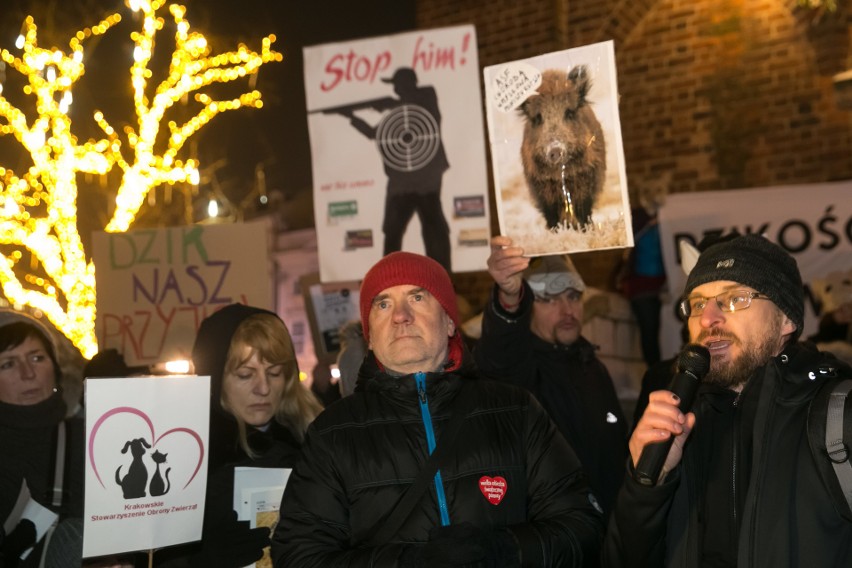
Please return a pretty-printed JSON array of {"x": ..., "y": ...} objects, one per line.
[{"x": 563, "y": 150}]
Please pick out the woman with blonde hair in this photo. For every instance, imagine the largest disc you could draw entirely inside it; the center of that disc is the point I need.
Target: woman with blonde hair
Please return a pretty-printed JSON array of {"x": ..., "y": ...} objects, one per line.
[{"x": 259, "y": 411}]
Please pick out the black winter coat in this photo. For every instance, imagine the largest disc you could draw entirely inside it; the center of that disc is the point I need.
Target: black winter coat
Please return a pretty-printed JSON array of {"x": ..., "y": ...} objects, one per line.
[
  {"x": 28, "y": 451},
  {"x": 747, "y": 492},
  {"x": 570, "y": 382},
  {"x": 365, "y": 450},
  {"x": 274, "y": 448}
]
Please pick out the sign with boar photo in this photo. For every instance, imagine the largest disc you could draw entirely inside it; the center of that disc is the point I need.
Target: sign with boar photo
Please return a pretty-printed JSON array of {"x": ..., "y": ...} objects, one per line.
[
  {"x": 556, "y": 149},
  {"x": 398, "y": 150}
]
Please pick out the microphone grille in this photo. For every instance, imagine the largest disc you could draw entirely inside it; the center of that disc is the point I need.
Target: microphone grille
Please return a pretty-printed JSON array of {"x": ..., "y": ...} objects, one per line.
[{"x": 694, "y": 359}]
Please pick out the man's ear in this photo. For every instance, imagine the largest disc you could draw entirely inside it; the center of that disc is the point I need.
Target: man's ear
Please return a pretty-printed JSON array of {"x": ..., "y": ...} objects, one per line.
[
  {"x": 451, "y": 327},
  {"x": 787, "y": 326}
]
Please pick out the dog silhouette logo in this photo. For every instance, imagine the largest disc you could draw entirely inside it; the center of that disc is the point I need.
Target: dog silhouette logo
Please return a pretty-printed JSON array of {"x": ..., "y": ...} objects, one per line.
[{"x": 135, "y": 478}]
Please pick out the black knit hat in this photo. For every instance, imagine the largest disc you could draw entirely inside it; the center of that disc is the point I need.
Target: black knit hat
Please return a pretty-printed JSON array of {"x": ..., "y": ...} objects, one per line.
[{"x": 756, "y": 262}]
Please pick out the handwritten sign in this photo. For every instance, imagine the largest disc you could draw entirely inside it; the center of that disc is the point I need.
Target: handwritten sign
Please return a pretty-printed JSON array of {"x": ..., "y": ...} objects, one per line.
[
  {"x": 155, "y": 286},
  {"x": 146, "y": 462},
  {"x": 513, "y": 83}
]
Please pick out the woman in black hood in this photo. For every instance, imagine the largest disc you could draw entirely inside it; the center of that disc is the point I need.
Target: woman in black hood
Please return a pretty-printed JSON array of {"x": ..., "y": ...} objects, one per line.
[{"x": 259, "y": 411}]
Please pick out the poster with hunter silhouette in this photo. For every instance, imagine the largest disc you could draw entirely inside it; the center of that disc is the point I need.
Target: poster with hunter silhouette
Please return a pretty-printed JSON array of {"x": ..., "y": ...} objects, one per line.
[
  {"x": 146, "y": 462},
  {"x": 398, "y": 150},
  {"x": 556, "y": 149}
]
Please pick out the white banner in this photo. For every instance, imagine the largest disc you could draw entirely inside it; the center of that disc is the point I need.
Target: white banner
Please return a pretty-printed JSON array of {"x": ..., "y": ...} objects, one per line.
[
  {"x": 397, "y": 150},
  {"x": 812, "y": 222},
  {"x": 155, "y": 286},
  {"x": 146, "y": 462}
]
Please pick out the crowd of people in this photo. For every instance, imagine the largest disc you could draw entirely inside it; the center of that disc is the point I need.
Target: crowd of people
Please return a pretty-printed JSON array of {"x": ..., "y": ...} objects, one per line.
[{"x": 513, "y": 453}]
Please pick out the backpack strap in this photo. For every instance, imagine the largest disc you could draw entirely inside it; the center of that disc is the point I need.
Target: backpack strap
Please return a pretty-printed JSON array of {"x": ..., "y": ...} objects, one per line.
[
  {"x": 835, "y": 444},
  {"x": 830, "y": 438}
]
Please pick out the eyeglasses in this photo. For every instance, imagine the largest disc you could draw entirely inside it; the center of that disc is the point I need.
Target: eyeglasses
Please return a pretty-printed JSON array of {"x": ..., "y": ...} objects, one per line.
[{"x": 729, "y": 301}]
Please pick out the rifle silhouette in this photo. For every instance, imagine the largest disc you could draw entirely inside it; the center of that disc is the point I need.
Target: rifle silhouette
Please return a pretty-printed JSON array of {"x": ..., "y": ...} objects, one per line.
[{"x": 381, "y": 104}]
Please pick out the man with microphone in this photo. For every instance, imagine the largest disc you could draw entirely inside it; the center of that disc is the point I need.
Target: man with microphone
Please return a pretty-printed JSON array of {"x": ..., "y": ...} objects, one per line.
[{"x": 738, "y": 484}]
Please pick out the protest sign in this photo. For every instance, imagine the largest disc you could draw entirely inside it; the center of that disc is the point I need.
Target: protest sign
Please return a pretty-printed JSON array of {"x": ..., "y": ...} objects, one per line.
[
  {"x": 556, "y": 151},
  {"x": 329, "y": 307},
  {"x": 146, "y": 462},
  {"x": 155, "y": 286},
  {"x": 397, "y": 150}
]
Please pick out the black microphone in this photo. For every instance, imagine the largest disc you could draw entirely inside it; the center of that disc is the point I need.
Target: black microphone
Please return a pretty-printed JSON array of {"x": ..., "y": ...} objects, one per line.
[{"x": 693, "y": 363}]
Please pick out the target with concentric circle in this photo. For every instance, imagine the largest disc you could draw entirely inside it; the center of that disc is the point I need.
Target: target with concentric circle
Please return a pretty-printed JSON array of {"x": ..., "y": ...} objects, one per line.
[{"x": 408, "y": 137}]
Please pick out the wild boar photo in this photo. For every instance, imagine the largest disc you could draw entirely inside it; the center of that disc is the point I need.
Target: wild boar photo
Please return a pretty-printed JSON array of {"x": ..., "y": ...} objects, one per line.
[
  {"x": 556, "y": 151},
  {"x": 563, "y": 152}
]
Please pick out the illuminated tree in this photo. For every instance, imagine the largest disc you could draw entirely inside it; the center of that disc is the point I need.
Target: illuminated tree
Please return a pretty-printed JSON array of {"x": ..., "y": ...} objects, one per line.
[{"x": 42, "y": 261}]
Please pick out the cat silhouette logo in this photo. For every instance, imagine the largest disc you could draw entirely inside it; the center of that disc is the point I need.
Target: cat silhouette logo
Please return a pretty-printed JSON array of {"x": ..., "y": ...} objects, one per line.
[{"x": 135, "y": 478}]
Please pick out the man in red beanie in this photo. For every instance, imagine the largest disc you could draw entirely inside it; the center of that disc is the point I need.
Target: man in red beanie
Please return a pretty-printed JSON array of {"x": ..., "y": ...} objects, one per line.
[{"x": 380, "y": 483}]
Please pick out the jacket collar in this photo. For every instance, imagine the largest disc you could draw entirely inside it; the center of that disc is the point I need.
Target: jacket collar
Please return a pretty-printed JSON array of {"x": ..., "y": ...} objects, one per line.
[
  {"x": 581, "y": 348},
  {"x": 372, "y": 377}
]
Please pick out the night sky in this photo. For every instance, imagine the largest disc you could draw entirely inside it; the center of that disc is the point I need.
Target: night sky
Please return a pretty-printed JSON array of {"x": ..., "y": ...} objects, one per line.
[{"x": 276, "y": 135}]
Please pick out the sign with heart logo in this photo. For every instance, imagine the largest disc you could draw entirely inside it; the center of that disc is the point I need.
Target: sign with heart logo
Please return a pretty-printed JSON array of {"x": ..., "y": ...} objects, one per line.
[
  {"x": 146, "y": 462},
  {"x": 494, "y": 488}
]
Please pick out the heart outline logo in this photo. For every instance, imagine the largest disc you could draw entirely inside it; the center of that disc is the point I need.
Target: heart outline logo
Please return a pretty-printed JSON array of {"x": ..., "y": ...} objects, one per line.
[
  {"x": 154, "y": 439},
  {"x": 493, "y": 488}
]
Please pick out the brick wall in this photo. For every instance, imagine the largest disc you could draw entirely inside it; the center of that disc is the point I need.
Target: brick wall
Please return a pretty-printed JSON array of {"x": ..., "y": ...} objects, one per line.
[{"x": 715, "y": 94}]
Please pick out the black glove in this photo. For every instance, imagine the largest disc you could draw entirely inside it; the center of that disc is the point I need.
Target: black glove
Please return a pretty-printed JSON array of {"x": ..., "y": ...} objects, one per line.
[
  {"x": 22, "y": 537},
  {"x": 463, "y": 545},
  {"x": 232, "y": 544}
]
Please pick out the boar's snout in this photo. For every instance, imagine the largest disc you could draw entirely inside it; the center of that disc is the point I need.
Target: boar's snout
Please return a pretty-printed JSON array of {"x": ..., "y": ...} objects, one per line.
[{"x": 556, "y": 152}]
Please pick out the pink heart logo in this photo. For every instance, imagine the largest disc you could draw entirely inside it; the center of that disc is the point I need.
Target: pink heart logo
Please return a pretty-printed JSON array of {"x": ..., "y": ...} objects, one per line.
[
  {"x": 147, "y": 419},
  {"x": 494, "y": 488}
]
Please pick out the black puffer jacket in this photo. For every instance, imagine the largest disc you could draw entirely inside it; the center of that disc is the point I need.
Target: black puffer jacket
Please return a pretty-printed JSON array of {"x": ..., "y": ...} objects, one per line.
[
  {"x": 364, "y": 451},
  {"x": 747, "y": 492},
  {"x": 570, "y": 382}
]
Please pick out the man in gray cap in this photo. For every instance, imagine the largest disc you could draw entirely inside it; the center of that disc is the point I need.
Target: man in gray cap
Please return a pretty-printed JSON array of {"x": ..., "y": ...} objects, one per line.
[
  {"x": 532, "y": 336},
  {"x": 740, "y": 485}
]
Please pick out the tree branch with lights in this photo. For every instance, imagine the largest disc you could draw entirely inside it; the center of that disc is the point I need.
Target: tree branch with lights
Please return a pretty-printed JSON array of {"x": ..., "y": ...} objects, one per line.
[{"x": 42, "y": 261}]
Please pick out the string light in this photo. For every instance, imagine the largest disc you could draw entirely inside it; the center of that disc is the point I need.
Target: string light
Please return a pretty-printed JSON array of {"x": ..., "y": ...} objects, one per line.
[{"x": 38, "y": 208}]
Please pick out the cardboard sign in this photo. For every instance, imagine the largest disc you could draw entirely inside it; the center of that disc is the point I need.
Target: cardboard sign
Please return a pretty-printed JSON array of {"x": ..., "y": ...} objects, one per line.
[
  {"x": 155, "y": 286},
  {"x": 146, "y": 462}
]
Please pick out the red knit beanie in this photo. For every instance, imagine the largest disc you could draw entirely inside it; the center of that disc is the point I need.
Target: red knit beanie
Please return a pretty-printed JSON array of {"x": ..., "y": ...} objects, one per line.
[{"x": 406, "y": 268}]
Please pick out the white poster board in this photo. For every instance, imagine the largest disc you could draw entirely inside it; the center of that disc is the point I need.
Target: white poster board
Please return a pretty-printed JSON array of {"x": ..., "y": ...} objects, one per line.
[
  {"x": 397, "y": 118},
  {"x": 556, "y": 151},
  {"x": 812, "y": 222},
  {"x": 146, "y": 462},
  {"x": 155, "y": 286},
  {"x": 257, "y": 499}
]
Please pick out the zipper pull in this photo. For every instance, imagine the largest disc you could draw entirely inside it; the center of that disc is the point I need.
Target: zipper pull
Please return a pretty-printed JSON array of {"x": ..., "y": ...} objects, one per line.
[{"x": 420, "y": 381}]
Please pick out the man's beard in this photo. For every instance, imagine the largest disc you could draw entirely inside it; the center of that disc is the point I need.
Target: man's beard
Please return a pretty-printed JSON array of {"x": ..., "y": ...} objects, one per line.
[{"x": 754, "y": 354}]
